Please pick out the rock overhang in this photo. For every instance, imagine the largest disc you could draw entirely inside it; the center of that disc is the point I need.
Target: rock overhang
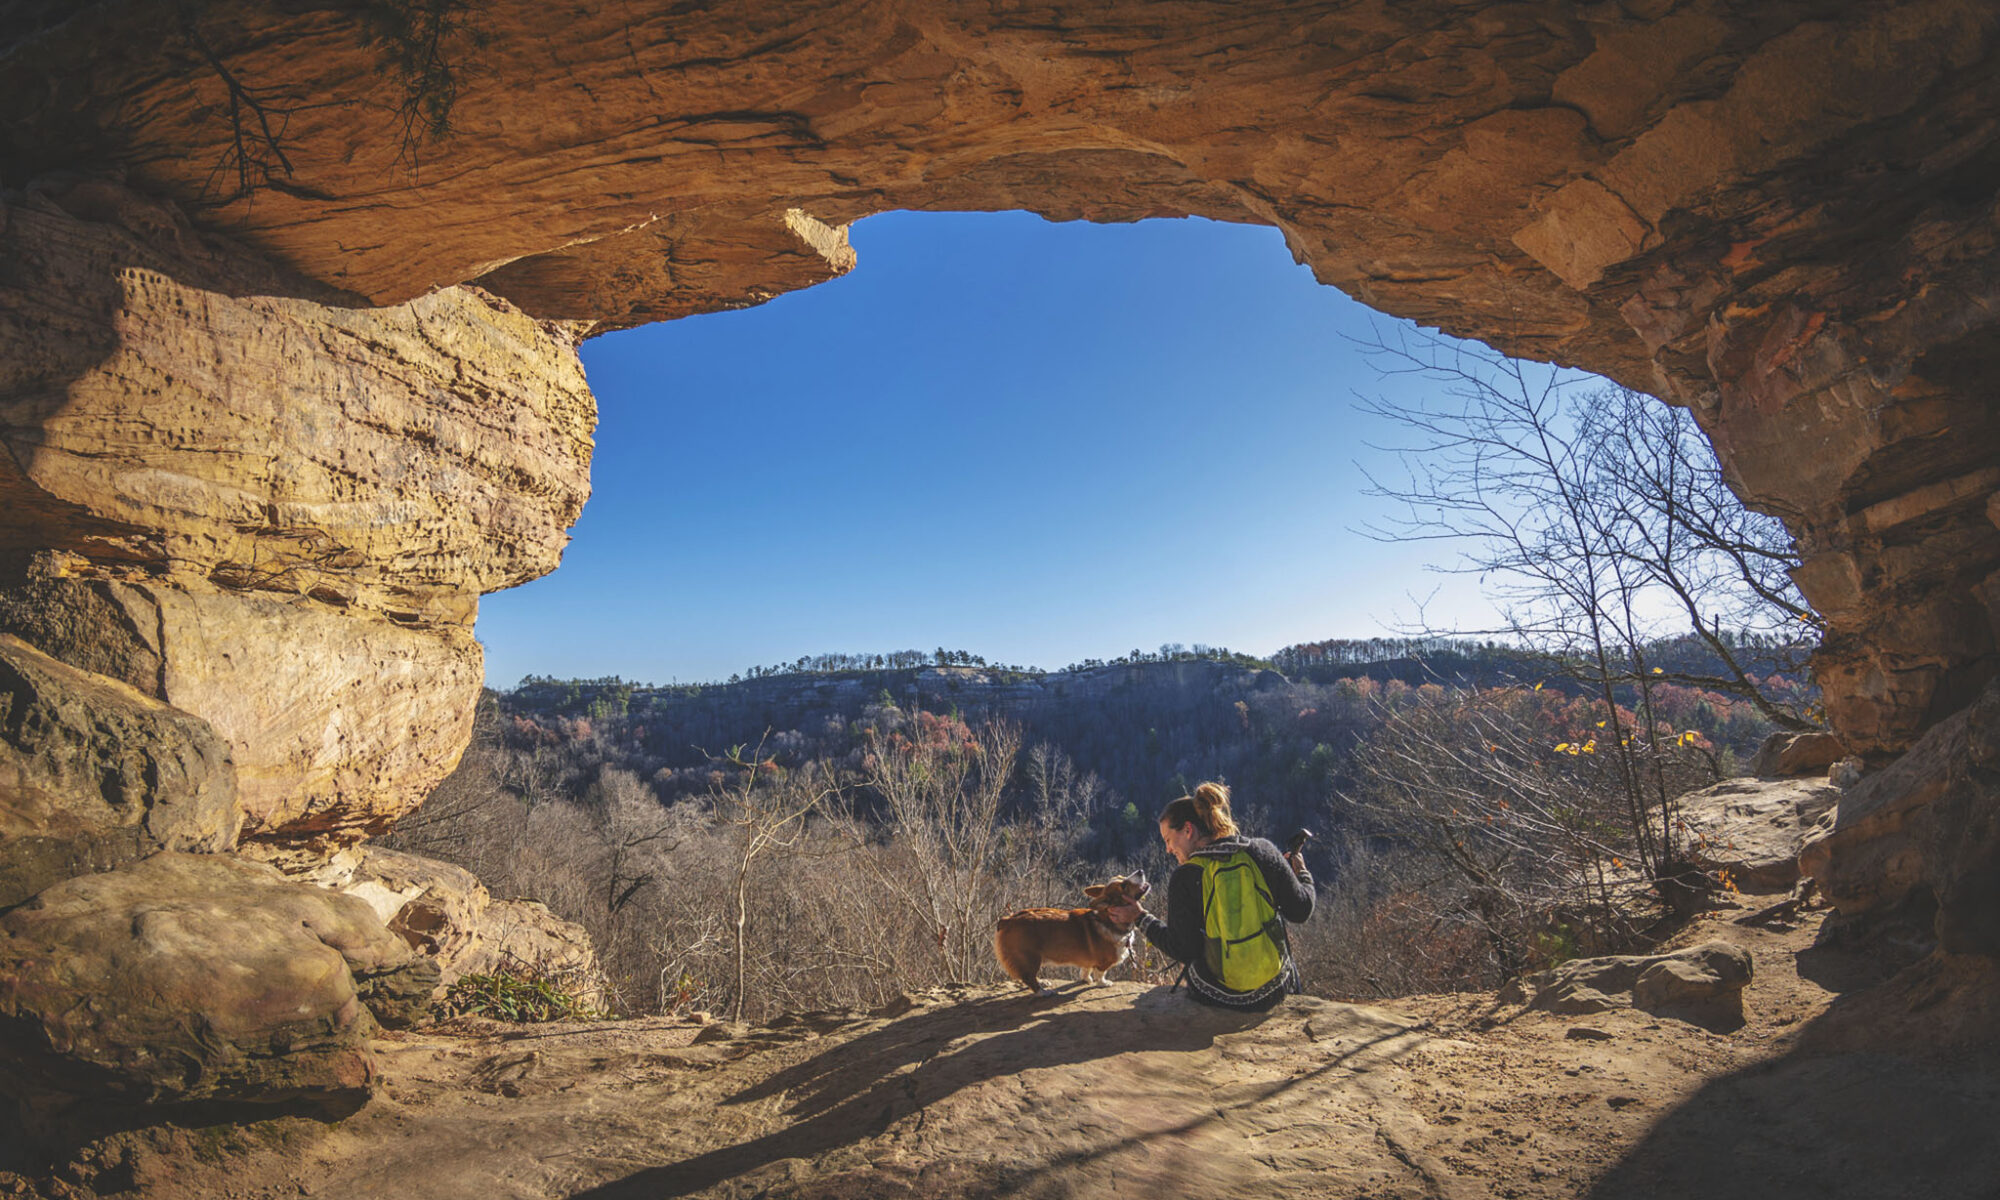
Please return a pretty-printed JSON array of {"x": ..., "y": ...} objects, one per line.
[{"x": 1782, "y": 218}]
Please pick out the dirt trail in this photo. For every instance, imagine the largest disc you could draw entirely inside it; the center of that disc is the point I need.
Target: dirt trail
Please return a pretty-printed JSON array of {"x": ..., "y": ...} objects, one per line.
[{"x": 1128, "y": 1091}]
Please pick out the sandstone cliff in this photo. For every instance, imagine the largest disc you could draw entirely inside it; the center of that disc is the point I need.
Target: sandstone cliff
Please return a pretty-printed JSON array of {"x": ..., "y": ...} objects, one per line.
[
  {"x": 289, "y": 296},
  {"x": 1781, "y": 216}
]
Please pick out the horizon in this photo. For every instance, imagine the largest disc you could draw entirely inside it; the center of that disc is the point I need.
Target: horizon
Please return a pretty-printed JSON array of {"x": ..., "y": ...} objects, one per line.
[{"x": 1185, "y": 651}]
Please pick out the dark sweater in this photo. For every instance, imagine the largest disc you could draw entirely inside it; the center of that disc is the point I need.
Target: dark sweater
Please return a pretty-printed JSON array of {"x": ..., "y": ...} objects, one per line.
[{"x": 1182, "y": 935}]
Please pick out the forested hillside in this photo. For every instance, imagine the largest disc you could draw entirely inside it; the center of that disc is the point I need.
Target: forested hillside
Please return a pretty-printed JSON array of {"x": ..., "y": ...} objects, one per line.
[
  {"x": 622, "y": 806},
  {"x": 1148, "y": 727}
]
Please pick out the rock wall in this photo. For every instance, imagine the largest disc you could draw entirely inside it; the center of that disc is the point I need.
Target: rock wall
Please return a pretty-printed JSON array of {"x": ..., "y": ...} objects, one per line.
[
  {"x": 1781, "y": 215},
  {"x": 93, "y": 774},
  {"x": 229, "y": 491}
]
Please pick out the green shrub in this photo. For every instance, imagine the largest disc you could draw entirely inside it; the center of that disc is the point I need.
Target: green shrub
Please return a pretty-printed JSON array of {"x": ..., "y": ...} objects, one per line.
[{"x": 521, "y": 997}]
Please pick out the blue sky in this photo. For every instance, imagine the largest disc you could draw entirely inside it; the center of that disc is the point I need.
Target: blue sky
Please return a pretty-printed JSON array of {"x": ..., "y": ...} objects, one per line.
[{"x": 1038, "y": 442}]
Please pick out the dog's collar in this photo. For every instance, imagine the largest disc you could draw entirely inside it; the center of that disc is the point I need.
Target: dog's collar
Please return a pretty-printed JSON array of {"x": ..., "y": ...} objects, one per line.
[{"x": 1116, "y": 929}]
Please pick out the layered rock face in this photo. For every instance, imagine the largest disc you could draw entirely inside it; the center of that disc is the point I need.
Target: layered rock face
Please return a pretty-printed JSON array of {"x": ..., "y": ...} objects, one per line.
[
  {"x": 94, "y": 774},
  {"x": 268, "y": 510}
]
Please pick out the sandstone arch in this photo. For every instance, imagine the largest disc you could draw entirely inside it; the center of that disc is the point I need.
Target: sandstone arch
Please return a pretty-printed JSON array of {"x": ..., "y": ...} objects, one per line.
[{"x": 1780, "y": 215}]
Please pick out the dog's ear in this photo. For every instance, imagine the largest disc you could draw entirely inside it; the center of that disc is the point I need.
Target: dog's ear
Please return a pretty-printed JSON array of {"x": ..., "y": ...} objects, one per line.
[{"x": 1095, "y": 891}]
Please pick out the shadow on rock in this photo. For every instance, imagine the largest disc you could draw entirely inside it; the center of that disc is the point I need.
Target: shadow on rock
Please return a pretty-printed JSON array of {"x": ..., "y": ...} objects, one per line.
[
  {"x": 1892, "y": 1092},
  {"x": 859, "y": 1088}
]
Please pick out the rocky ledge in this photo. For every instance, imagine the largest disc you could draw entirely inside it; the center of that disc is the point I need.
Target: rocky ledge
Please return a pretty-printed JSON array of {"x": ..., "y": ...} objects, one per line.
[{"x": 1127, "y": 1090}]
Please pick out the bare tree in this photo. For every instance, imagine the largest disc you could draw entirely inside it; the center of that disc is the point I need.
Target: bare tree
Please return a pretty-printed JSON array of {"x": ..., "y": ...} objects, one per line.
[
  {"x": 1525, "y": 832},
  {"x": 1601, "y": 520},
  {"x": 941, "y": 787},
  {"x": 769, "y": 807}
]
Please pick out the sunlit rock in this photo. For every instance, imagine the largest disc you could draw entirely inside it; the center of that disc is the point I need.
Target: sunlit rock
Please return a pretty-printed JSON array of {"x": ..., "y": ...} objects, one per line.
[{"x": 195, "y": 977}]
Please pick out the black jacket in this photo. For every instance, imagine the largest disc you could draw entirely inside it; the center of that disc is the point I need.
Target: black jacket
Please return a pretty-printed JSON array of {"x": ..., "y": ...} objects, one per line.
[{"x": 1182, "y": 935}]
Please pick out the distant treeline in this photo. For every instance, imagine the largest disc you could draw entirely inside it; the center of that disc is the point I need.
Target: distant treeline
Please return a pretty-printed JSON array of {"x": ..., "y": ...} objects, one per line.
[
  {"x": 1456, "y": 662},
  {"x": 611, "y": 694},
  {"x": 1150, "y": 726}
]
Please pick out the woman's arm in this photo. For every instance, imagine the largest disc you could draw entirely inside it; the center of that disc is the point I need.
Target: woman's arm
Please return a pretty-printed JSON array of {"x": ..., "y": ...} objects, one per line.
[
  {"x": 1181, "y": 936},
  {"x": 1291, "y": 894}
]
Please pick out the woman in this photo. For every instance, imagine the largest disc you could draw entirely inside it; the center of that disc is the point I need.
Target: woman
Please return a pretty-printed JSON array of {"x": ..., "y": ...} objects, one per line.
[{"x": 1224, "y": 904}]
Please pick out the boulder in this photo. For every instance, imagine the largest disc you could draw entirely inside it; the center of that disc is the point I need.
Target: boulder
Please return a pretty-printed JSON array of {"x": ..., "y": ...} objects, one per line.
[
  {"x": 1753, "y": 828},
  {"x": 1785, "y": 754},
  {"x": 94, "y": 774},
  {"x": 1706, "y": 974},
  {"x": 196, "y": 978},
  {"x": 1699, "y": 975},
  {"x": 445, "y": 913}
]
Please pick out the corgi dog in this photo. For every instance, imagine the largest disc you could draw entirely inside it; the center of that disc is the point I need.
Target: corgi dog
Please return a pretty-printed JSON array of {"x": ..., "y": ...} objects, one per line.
[{"x": 1079, "y": 937}]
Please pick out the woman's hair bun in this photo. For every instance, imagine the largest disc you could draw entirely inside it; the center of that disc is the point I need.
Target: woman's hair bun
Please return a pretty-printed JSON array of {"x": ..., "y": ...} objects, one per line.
[{"x": 1211, "y": 799}]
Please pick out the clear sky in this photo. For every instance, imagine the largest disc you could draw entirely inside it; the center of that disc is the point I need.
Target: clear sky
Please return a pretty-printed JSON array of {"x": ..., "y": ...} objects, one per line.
[{"x": 1038, "y": 442}]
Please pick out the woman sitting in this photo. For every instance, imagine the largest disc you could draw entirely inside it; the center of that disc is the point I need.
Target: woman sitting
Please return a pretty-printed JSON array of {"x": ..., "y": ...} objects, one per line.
[{"x": 1227, "y": 904}]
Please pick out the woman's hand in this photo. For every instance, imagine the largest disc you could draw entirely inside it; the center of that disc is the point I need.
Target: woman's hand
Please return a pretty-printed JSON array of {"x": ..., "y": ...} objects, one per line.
[{"x": 1296, "y": 862}]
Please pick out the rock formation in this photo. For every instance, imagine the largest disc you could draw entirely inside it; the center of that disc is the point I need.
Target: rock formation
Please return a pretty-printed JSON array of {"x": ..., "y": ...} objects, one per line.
[
  {"x": 1924, "y": 831},
  {"x": 447, "y": 915},
  {"x": 1782, "y": 218},
  {"x": 93, "y": 774},
  {"x": 1708, "y": 974},
  {"x": 268, "y": 510},
  {"x": 195, "y": 977},
  {"x": 289, "y": 297},
  {"x": 1753, "y": 828}
]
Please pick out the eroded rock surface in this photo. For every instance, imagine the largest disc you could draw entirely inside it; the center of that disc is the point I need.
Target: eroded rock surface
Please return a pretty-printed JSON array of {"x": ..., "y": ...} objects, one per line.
[
  {"x": 94, "y": 774},
  {"x": 1753, "y": 828},
  {"x": 172, "y": 401},
  {"x": 195, "y": 977},
  {"x": 1925, "y": 829},
  {"x": 1711, "y": 972},
  {"x": 444, "y": 912},
  {"x": 228, "y": 490}
]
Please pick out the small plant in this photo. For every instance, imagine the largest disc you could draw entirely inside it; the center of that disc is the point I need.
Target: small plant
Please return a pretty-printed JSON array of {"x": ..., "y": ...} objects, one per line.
[
  {"x": 1554, "y": 947},
  {"x": 520, "y": 995}
]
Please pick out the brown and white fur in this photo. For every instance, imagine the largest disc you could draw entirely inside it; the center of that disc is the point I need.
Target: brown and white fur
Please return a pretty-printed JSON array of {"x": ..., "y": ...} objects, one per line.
[{"x": 1079, "y": 937}]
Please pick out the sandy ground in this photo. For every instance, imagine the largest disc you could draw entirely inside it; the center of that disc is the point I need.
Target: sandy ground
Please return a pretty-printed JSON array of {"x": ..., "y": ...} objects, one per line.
[{"x": 1829, "y": 1083}]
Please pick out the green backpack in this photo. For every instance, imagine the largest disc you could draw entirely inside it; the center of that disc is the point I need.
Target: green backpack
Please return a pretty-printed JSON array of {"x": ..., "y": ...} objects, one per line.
[{"x": 1245, "y": 947}]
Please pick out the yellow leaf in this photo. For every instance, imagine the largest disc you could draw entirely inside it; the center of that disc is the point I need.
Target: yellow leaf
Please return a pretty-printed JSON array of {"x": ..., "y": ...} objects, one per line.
[
  {"x": 1657, "y": 671},
  {"x": 1538, "y": 687},
  {"x": 1600, "y": 724},
  {"x": 1561, "y": 747}
]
